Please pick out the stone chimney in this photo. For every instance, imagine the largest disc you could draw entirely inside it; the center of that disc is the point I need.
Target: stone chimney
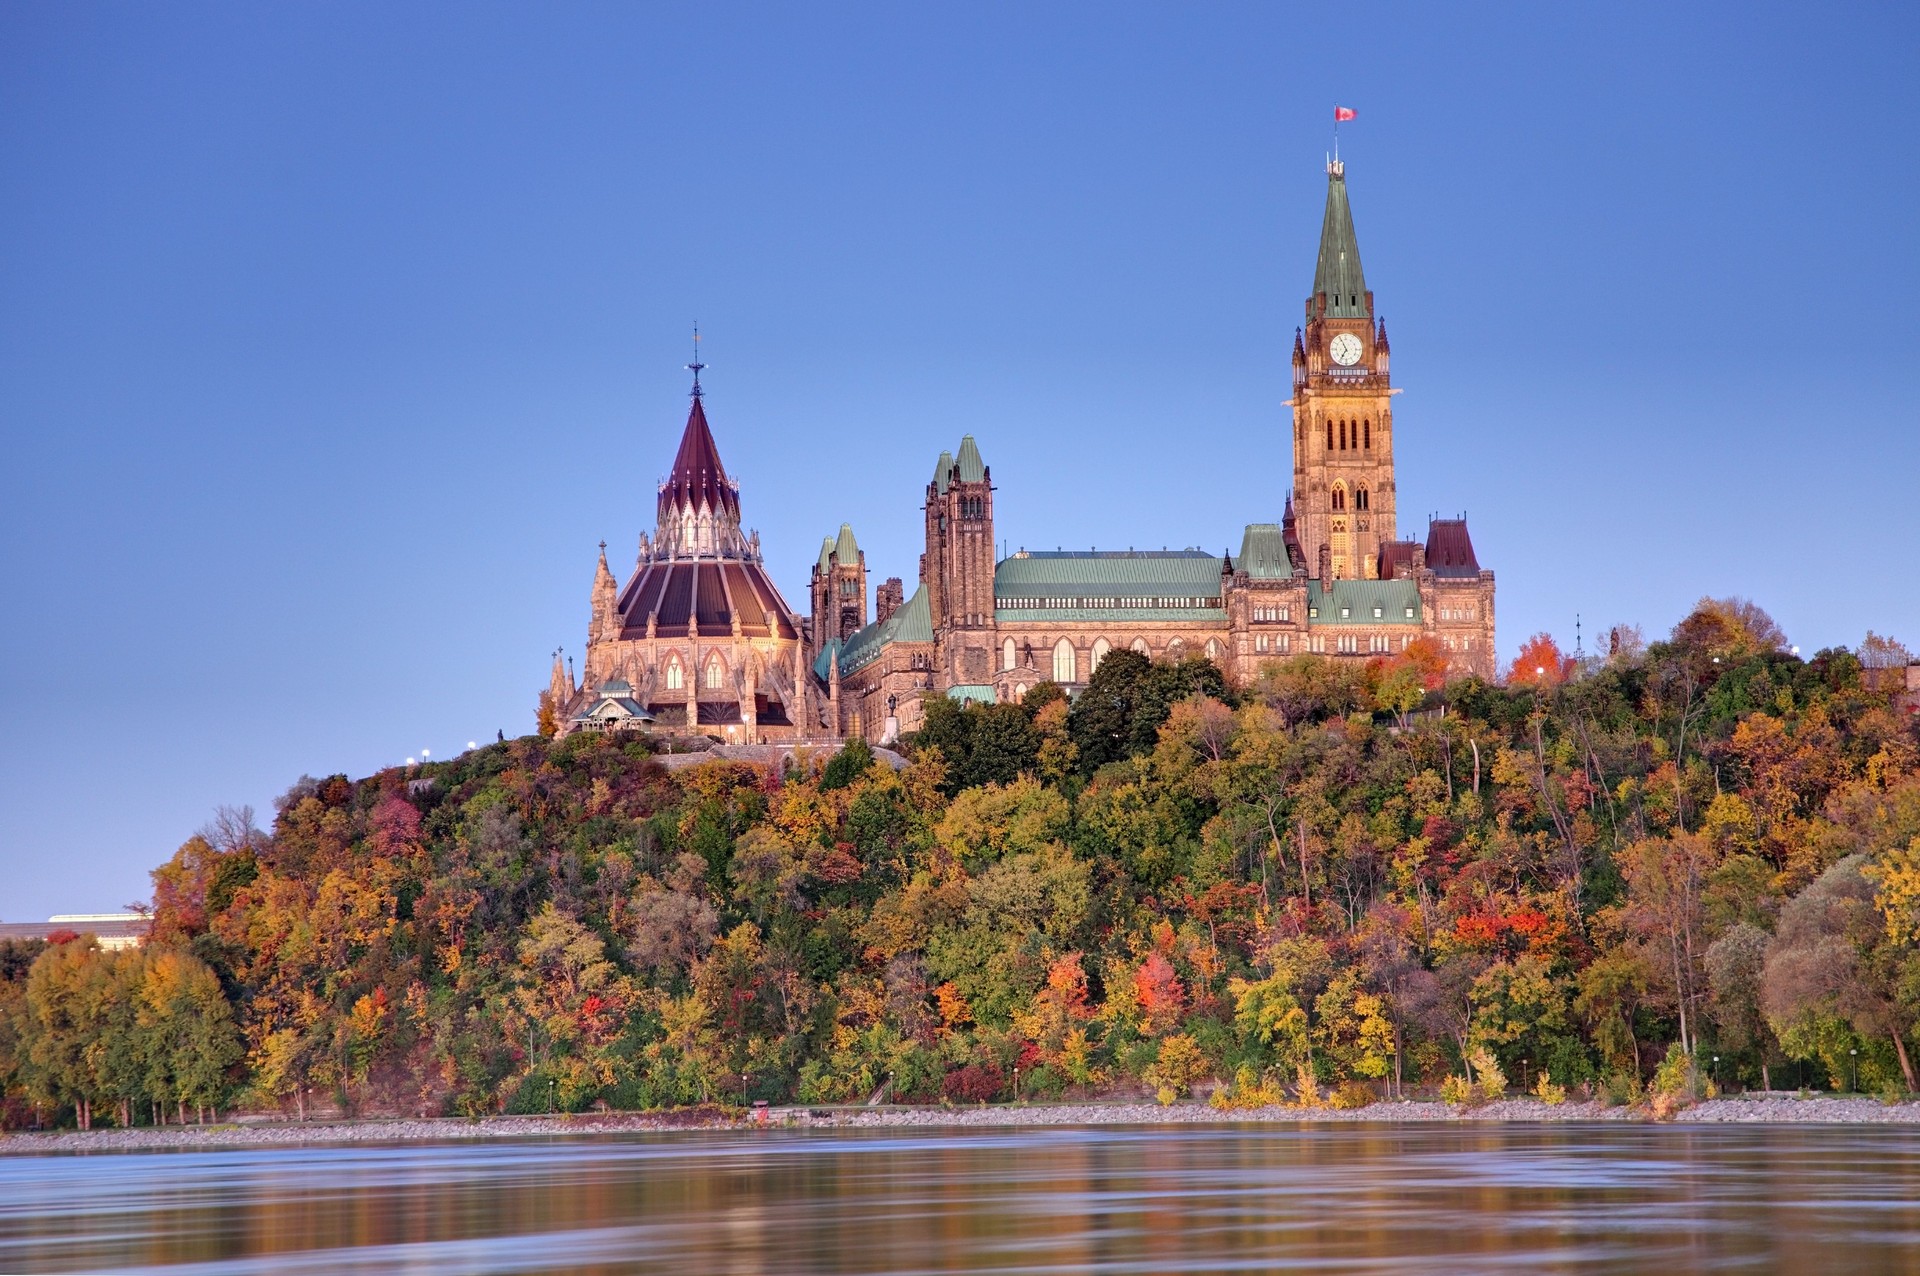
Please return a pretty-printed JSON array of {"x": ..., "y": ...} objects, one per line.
[
  {"x": 888, "y": 599},
  {"x": 1326, "y": 568}
]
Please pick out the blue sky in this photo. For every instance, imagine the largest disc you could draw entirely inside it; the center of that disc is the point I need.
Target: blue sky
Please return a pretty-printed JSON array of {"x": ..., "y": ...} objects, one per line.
[{"x": 333, "y": 337}]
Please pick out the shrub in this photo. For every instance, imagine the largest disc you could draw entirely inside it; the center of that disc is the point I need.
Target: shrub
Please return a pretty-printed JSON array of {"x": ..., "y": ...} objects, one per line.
[
  {"x": 1548, "y": 1093},
  {"x": 1306, "y": 1089},
  {"x": 1457, "y": 1090},
  {"x": 1488, "y": 1078},
  {"x": 1620, "y": 1089},
  {"x": 974, "y": 1083},
  {"x": 1352, "y": 1095},
  {"x": 1178, "y": 1065},
  {"x": 1250, "y": 1089},
  {"x": 1676, "y": 1083}
]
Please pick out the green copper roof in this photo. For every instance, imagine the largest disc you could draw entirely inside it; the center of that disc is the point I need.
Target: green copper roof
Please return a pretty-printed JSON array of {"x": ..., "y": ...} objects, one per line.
[
  {"x": 972, "y": 468},
  {"x": 913, "y": 622},
  {"x": 823, "y": 663},
  {"x": 941, "y": 468},
  {"x": 1043, "y": 574},
  {"x": 1108, "y": 585},
  {"x": 826, "y": 554},
  {"x": 979, "y": 695},
  {"x": 846, "y": 547},
  {"x": 1338, "y": 272},
  {"x": 1355, "y": 602},
  {"x": 1263, "y": 553}
]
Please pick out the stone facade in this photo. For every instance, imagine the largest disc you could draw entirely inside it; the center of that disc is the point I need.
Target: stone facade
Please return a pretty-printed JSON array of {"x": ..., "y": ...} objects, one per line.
[
  {"x": 698, "y": 640},
  {"x": 1332, "y": 578}
]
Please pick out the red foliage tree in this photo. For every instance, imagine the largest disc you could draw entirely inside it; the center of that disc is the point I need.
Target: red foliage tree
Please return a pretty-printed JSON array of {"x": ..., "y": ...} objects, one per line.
[{"x": 1539, "y": 664}]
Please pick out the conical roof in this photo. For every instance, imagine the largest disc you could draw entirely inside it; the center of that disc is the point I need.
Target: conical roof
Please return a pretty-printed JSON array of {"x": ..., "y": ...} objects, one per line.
[
  {"x": 826, "y": 554},
  {"x": 972, "y": 468},
  {"x": 1338, "y": 273},
  {"x": 698, "y": 477},
  {"x": 941, "y": 469},
  {"x": 846, "y": 548}
]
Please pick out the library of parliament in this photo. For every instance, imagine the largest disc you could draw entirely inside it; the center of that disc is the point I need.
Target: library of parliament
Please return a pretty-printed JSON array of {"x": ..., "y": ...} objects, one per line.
[{"x": 697, "y": 640}]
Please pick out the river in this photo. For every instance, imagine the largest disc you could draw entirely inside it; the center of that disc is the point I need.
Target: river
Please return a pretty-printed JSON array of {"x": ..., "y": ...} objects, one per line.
[{"x": 1350, "y": 1198}]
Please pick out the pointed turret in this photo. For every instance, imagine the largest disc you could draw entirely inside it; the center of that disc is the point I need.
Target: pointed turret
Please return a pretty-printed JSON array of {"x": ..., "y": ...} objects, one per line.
[
  {"x": 846, "y": 548},
  {"x": 699, "y": 504},
  {"x": 605, "y": 621},
  {"x": 1337, "y": 275},
  {"x": 942, "y": 471},
  {"x": 698, "y": 478},
  {"x": 825, "y": 564},
  {"x": 972, "y": 468},
  {"x": 1290, "y": 537}
]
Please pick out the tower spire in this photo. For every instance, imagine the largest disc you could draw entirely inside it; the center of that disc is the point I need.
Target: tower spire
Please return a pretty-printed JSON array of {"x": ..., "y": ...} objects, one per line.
[
  {"x": 1336, "y": 274},
  {"x": 696, "y": 366}
]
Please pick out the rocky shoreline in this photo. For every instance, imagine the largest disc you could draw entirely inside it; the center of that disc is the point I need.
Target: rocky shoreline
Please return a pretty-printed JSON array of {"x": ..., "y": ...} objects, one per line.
[{"x": 1746, "y": 1109}]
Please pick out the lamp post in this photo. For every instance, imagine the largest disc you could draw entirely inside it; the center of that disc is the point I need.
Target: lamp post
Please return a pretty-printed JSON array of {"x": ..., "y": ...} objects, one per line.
[
  {"x": 1713, "y": 1074},
  {"x": 1016, "y": 1083},
  {"x": 1526, "y": 1074},
  {"x": 1853, "y": 1062},
  {"x": 553, "y": 1094}
]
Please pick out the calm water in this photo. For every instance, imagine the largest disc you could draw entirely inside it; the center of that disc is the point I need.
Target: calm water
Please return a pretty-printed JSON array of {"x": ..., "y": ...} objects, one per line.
[{"x": 1355, "y": 1199}]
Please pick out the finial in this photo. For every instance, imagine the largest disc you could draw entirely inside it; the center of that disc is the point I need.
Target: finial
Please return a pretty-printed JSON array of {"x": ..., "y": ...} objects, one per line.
[{"x": 696, "y": 365}]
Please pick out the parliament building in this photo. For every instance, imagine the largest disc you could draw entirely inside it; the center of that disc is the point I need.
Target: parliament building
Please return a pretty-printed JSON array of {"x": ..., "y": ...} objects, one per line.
[{"x": 699, "y": 640}]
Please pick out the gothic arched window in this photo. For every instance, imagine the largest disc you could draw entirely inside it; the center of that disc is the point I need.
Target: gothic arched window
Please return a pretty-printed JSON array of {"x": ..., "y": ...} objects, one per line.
[
  {"x": 1100, "y": 649},
  {"x": 1006, "y": 654},
  {"x": 1360, "y": 498},
  {"x": 1063, "y": 662},
  {"x": 716, "y": 672},
  {"x": 1140, "y": 645},
  {"x": 1368, "y": 426},
  {"x": 676, "y": 678},
  {"x": 1213, "y": 649},
  {"x": 1343, "y": 436},
  {"x": 1329, "y": 436},
  {"x": 1339, "y": 498}
]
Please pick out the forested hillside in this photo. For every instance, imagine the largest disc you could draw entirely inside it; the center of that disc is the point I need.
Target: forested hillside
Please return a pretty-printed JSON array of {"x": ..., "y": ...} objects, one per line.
[{"x": 1693, "y": 864}]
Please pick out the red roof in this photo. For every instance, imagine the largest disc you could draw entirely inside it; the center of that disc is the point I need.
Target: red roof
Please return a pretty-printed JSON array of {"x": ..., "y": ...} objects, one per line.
[
  {"x": 1393, "y": 556},
  {"x": 1450, "y": 549},
  {"x": 697, "y": 474}
]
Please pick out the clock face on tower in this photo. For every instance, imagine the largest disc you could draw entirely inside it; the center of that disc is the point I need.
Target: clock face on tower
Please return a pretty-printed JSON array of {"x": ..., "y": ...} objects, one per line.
[{"x": 1345, "y": 349}]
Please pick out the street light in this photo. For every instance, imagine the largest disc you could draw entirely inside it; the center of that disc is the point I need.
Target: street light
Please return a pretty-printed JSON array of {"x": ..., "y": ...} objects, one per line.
[
  {"x": 553, "y": 1094},
  {"x": 1016, "y": 1083},
  {"x": 1713, "y": 1073},
  {"x": 1853, "y": 1086}
]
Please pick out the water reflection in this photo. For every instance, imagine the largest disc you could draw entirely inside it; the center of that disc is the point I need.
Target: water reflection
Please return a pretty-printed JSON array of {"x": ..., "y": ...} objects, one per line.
[{"x": 1363, "y": 1199}]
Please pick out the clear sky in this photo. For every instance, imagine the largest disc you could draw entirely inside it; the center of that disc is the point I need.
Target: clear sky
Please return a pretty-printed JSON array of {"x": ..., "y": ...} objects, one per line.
[{"x": 334, "y": 337}]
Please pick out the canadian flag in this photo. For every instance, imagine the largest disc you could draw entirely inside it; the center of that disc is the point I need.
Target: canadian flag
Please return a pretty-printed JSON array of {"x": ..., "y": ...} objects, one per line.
[{"x": 1341, "y": 114}]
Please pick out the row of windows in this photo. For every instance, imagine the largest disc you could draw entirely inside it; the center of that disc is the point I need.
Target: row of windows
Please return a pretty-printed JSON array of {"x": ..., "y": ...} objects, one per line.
[
  {"x": 1338, "y": 498},
  {"x": 1353, "y": 436},
  {"x": 973, "y": 507},
  {"x": 1458, "y": 613},
  {"x": 676, "y": 676},
  {"x": 1355, "y": 644},
  {"x": 1066, "y": 603},
  {"x": 1282, "y": 643},
  {"x": 1346, "y": 613},
  {"x": 1451, "y": 644},
  {"x": 1261, "y": 614},
  {"x": 1066, "y": 658}
]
